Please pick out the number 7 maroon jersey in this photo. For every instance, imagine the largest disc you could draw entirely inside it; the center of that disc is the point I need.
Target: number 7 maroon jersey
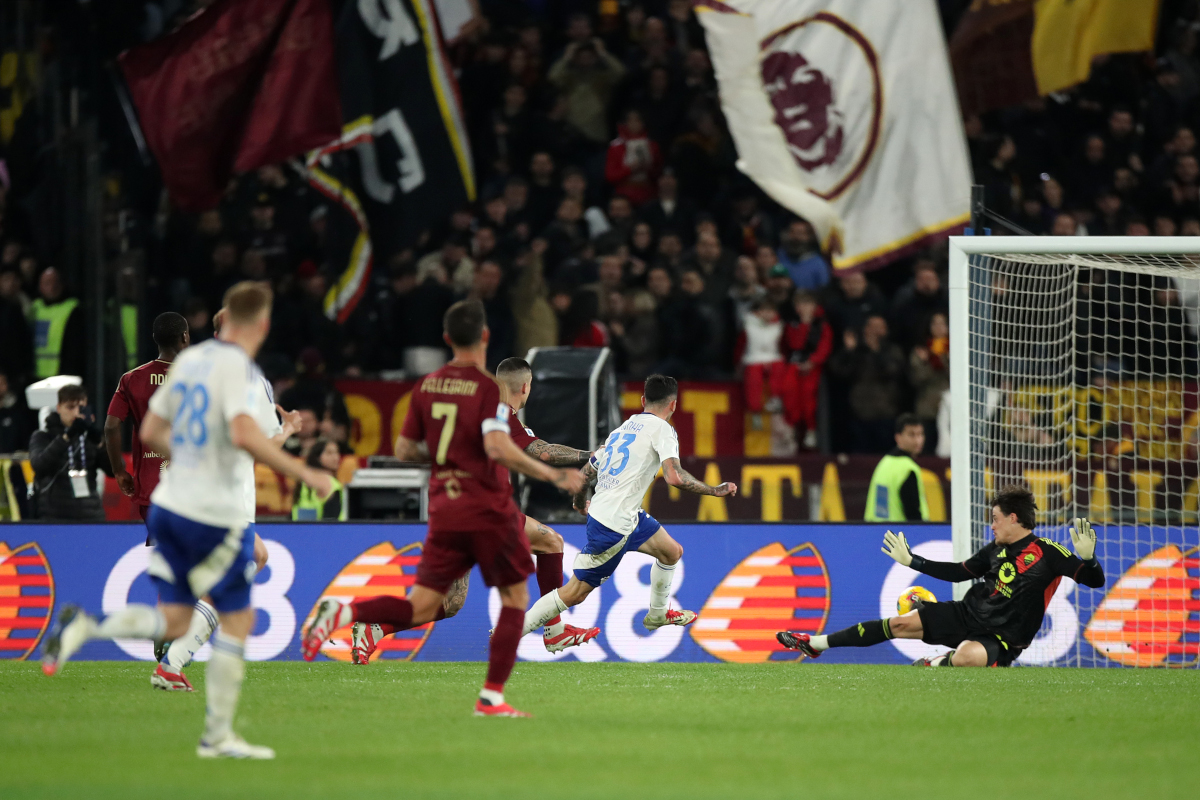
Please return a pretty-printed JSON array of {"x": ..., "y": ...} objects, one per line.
[
  {"x": 131, "y": 400},
  {"x": 451, "y": 410}
]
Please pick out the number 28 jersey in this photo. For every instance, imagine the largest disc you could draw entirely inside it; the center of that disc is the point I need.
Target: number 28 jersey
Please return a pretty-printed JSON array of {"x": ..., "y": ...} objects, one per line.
[
  {"x": 207, "y": 386},
  {"x": 626, "y": 467},
  {"x": 451, "y": 410}
]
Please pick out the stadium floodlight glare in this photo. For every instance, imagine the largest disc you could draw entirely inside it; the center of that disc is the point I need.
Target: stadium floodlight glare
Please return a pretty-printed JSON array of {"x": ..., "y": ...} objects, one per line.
[{"x": 1074, "y": 370}]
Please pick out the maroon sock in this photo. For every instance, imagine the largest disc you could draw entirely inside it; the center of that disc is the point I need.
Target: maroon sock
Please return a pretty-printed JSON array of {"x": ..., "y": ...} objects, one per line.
[
  {"x": 503, "y": 652},
  {"x": 549, "y": 576},
  {"x": 384, "y": 610},
  {"x": 387, "y": 629}
]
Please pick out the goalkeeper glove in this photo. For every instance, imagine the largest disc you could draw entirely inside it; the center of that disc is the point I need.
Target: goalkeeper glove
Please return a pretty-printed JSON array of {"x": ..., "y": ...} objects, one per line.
[
  {"x": 1083, "y": 539},
  {"x": 896, "y": 548}
]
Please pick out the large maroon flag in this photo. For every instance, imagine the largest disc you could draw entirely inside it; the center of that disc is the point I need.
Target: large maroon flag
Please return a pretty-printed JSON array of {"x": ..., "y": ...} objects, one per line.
[{"x": 241, "y": 84}]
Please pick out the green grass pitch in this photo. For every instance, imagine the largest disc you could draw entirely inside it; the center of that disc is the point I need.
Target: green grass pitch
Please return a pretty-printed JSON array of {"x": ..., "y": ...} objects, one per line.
[{"x": 611, "y": 731}]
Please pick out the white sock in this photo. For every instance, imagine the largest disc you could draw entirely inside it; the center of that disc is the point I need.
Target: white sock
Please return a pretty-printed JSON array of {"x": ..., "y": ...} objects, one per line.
[
  {"x": 134, "y": 621},
  {"x": 819, "y": 642},
  {"x": 183, "y": 649},
  {"x": 660, "y": 588},
  {"x": 492, "y": 696},
  {"x": 222, "y": 686},
  {"x": 556, "y": 629},
  {"x": 547, "y": 607}
]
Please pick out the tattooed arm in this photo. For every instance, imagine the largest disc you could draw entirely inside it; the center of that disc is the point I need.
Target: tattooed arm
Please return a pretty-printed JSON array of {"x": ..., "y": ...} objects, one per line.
[
  {"x": 557, "y": 455},
  {"x": 408, "y": 450},
  {"x": 580, "y": 501},
  {"x": 676, "y": 475}
]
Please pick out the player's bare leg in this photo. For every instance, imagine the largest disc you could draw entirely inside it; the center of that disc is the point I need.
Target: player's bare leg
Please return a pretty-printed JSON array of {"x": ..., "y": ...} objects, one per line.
[
  {"x": 178, "y": 652},
  {"x": 502, "y": 653},
  {"x": 547, "y": 546},
  {"x": 667, "y": 552},
  {"x": 864, "y": 634},
  {"x": 365, "y": 636}
]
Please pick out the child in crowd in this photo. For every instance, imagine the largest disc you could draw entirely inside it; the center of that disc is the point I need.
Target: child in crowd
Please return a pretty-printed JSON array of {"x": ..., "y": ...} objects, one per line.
[
  {"x": 808, "y": 343},
  {"x": 761, "y": 359}
]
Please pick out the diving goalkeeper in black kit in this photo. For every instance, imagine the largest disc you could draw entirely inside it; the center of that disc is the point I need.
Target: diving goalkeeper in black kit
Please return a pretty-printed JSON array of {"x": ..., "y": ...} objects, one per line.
[{"x": 999, "y": 616}]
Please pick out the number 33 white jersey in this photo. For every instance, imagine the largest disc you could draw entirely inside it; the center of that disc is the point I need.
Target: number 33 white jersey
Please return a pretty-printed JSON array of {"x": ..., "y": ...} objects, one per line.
[
  {"x": 626, "y": 467},
  {"x": 207, "y": 386}
]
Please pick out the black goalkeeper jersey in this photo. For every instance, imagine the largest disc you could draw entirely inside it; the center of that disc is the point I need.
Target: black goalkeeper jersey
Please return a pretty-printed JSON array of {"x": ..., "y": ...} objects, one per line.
[{"x": 1018, "y": 581}]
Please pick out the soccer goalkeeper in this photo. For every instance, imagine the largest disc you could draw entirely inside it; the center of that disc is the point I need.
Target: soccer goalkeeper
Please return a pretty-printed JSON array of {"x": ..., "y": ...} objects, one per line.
[{"x": 999, "y": 616}]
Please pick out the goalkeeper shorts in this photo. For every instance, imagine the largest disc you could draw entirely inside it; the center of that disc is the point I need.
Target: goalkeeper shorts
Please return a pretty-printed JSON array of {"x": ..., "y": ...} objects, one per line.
[{"x": 950, "y": 624}]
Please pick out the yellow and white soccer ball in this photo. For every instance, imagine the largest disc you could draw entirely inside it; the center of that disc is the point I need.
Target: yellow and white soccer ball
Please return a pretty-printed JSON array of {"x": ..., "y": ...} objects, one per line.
[{"x": 913, "y": 595}]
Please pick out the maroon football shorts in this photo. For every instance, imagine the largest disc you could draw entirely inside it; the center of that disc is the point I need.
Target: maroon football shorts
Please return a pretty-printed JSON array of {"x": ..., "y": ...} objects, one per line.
[
  {"x": 143, "y": 511},
  {"x": 494, "y": 540}
]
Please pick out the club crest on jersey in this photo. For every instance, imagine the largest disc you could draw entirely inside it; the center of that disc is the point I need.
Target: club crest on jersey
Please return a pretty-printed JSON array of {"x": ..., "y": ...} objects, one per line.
[
  {"x": 26, "y": 599},
  {"x": 1028, "y": 557},
  {"x": 773, "y": 589},
  {"x": 381, "y": 569}
]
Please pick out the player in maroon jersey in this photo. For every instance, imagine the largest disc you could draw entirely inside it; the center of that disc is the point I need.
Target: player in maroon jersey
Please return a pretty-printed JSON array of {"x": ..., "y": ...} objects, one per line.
[
  {"x": 516, "y": 379},
  {"x": 131, "y": 400},
  {"x": 457, "y": 414}
]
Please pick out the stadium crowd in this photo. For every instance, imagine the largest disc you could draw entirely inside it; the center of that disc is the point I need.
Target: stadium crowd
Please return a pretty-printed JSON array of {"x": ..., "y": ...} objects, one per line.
[{"x": 611, "y": 213}]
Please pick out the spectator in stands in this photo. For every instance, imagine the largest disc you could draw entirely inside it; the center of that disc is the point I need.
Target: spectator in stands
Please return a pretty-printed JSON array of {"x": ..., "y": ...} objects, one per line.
[
  {"x": 453, "y": 260},
  {"x": 300, "y": 443},
  {"x": 801, "y": 255},
  {"x": 807, "y": 343},
  {"x": 780, "y": 289},
  {"x": 15, "y": 419},
  {"x": 633, "y": 161},
  {"x": 689, "y": 329},
  {"x": 486, "y": 289},
  {"x": 566, "y": 237},
  {"x": 633, "y": 334},
  {"x": 536, "y": 322},
  {"x": 897, "y": 490},
  {"x": 670, "y": 251},
  {"x": 544, "y": 191},
  {"x": 760, "y": 358},
  {"x": 714, "y": 263},
  {"x": 748, "y": 225},
  {"x": 852, "y": 300},
  {"x": 580, "y": 325},
  {"x": 620, "y": 221},
  {"x": 586, "y": 75},
  {"x": 574, "y": 186},
  {"x": 60, "y": 346},
  {"x": 314, "y": 390},
  {"x": 16, "y": 354},
  {"x": 64, "y": 456},
  {"x": 744, "y": 294},
  {"x": 669, "y": 211},
  {"x": 929, "y": 374},
  {"x": 917, "y": 302},
  {"x": 874, "y": 368}
]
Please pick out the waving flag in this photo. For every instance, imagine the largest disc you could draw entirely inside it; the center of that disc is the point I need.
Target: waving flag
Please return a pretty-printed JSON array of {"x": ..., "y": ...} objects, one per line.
[
  {"x": 402, "y": 163},
  {"x": 844, "y": 111}
]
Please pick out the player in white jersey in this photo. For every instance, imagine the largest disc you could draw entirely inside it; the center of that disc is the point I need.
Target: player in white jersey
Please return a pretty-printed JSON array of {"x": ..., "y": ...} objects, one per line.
[
  {"x": 173, "y": 656},
  {"x": 207, "y": 419},
  {"x": 622, "y": 472}
]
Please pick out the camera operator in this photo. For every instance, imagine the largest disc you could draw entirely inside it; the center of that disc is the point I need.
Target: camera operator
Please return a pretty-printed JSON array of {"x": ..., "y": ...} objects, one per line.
[{"x": 64, "y": 458}]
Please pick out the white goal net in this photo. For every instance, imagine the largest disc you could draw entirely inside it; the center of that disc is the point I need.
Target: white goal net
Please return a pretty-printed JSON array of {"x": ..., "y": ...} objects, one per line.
[{"x": 1074, "y": 371}]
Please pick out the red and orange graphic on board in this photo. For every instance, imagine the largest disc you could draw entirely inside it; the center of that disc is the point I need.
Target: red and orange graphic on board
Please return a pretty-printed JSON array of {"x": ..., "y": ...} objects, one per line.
[
  {"x": 772, "y": 590},
  {"x": 26, "y": 599},
  {"x": 1151, "y": 617},
  {"x": 380, "y": 570}
]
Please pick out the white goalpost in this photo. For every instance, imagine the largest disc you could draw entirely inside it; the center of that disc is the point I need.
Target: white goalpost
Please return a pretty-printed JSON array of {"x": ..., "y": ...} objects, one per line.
[{"x": 1074, "y": 370}]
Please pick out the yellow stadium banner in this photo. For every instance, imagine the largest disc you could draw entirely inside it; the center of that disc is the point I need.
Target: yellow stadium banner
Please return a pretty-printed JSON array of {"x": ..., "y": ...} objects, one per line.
[{"x": 1068, "y": 34}]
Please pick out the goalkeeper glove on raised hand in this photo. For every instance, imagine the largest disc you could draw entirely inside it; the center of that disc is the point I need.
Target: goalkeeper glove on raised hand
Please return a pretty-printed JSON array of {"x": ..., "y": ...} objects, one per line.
[
  {"x": 896, "y": 548},
  {"x": 1083, "y": 539}
]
